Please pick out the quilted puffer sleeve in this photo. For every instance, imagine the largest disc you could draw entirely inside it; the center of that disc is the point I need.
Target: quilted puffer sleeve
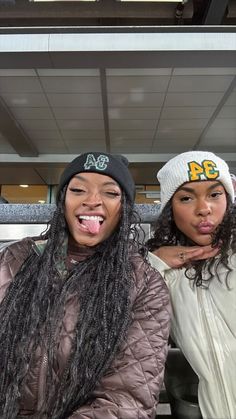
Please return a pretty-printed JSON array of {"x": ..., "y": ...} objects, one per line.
[{"x": 130, "y": 389}]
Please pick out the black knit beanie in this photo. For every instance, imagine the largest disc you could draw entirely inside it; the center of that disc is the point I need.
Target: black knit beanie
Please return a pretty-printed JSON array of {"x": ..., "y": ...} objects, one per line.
[{"x": 115, "y": 166}]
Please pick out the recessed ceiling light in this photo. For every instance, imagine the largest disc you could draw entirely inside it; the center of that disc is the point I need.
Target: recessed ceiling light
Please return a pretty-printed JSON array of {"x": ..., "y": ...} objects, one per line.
[{"x": 24, "y": 186}]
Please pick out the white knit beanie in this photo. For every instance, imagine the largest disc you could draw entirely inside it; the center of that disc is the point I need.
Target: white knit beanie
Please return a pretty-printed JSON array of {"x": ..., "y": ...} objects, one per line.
[{"x": 193, "y": 166}]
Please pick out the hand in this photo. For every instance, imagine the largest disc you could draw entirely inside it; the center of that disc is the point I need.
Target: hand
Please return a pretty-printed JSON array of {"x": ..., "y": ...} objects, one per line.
[{"x": 178, "y": 256}]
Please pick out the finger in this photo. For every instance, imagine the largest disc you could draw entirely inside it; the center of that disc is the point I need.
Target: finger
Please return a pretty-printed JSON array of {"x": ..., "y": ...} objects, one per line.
[
  {"x": 198, "y": 251},
  {"x": 206, "y": 255},
  {"x": 190, "y": 254}
]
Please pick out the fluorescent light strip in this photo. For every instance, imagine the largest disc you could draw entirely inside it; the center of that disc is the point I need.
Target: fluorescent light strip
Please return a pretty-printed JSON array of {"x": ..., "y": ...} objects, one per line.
[
  {"x": 160, "y": 1},
  {"x": 61, "y": 0}
]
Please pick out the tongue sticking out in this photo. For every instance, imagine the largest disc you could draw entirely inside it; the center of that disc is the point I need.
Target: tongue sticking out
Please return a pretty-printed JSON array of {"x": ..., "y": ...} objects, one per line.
[{"x": 93, "y": 226}]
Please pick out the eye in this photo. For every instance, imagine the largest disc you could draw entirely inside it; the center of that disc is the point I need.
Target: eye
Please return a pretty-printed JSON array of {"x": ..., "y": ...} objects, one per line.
[
  {"x": 113, "y": 194},
  {"x": 216, "y": 194},
  {"x": 77, "y": 190},
  {"x": 185, "y": 198}
]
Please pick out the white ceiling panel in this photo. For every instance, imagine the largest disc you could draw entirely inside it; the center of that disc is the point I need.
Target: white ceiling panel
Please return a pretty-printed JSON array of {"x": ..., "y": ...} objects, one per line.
[
  {"x": 37, "y": 124},
  {"x": 139, "y": 148},
  {"x": 49, "y": 148},
  {"x": 204, "y": 71},
  {"x": 231, "y": 100},
  {"x": 171, "y": 141},
  {"x": 193, "y": 99},
  {"x": 132, "y": 134},
  {"x": 136, "y": 99},
  {"x": 219, "y": 131},
  {"x": 217, "y": 145},
  {"x": 227, "y": 112},
  {"x": 136, "y": 84},
  {"x": 174, "y": 149},
  {"x": 226, "y": 124},
  {"x": 32, "y": 113},
  {"x": 83, "y": 124},
  {"x": 77, "y": 148},
  {"x": 200, "y": 83},
  {"x": 83, "y": 134},
  {"x": 5, "y": 147},
  {"x": 119, "y": 142},
  {"x": 85, "y": 142},
  {"x": 220, "y": 141},
  {"x": 175, "y": 124},
  {"x": 221, "y": 149},
  {"x": 17, "y": 72},
  {"x": 173, "y": 146},
  {"x": 67, "y": 72},
  {"x": 138, "y": 71},
  {"x": 206, "y": 141},
  {"x": 55, "y": 145},
  {"x": 70, "y": 100},
  {"x": 134, "y": 113},
  {"x": 80, "y": 113},
  {"x": 71, "y": 84},
  {"x": 51, "y": 141},
  {"x": 186, "y": 112},
  {"x": 131, "y": 124},
  {"x": 19, "y": 85},
  {"x": 44, "y": 135},
  {"x": 178, "y": 135},
  {"x": 25, "y": 99}
]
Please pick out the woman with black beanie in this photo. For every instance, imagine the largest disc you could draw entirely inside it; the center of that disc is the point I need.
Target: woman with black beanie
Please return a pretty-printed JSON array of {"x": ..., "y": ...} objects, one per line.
[{"x": 84, "y": 319}]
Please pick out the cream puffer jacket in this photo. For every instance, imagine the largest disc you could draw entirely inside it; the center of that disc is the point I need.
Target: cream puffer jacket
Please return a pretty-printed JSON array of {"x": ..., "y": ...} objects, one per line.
[
  {"x": 204, "y": 327},
  {"x": 130, "y": 388}
]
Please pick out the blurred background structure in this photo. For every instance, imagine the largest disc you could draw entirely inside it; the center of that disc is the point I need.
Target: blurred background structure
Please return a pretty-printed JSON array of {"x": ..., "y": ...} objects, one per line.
[{"x": 148, "y": 79}]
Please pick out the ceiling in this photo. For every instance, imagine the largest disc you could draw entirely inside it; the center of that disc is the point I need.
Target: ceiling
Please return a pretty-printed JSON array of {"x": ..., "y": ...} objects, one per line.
[{"x": 146, "y": 92}]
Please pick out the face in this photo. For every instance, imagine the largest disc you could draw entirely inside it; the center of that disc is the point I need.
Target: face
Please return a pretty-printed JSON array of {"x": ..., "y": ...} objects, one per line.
[
  {"x": 198, "y": 209},
  {"x": 92, "y": 208}
]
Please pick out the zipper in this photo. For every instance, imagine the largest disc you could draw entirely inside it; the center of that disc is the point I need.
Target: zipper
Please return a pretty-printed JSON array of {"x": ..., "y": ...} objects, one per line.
[{"x": 42, "y": 381}]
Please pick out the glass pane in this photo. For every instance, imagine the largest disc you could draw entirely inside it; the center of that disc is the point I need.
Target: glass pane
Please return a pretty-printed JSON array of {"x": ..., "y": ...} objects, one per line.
[{"x": 32, "y": 194}]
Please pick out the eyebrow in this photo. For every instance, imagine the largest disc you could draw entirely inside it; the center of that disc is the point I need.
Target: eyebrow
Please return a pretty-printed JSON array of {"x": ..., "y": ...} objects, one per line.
[
  {"x": 108, "y": 183},
  {"x": 189, "y": 189}
]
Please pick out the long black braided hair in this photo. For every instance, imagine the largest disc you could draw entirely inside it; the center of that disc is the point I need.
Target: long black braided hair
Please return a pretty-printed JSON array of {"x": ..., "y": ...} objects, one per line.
[
  {"x": 32, "y": 312},
  {"x": 166, "y": 233}
]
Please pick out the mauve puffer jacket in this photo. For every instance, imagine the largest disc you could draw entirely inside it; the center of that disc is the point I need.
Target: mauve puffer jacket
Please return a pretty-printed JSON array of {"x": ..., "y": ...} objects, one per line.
[{"x": 130, "y": 388}]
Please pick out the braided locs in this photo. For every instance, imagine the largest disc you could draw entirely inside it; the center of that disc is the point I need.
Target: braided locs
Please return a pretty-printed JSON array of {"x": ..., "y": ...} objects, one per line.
[{"x": 33, "y": 309}]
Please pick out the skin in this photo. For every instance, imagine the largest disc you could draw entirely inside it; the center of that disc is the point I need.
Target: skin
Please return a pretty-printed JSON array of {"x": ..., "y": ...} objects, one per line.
[
  {"x": 92, "y": 194},
  {"x": 198, "y": 209}
]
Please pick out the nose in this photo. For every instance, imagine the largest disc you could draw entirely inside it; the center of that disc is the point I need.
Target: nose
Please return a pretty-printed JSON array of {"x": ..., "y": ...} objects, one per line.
[
  {"x": 92, "y": 200},
  {"x": 203, "y": 208}
]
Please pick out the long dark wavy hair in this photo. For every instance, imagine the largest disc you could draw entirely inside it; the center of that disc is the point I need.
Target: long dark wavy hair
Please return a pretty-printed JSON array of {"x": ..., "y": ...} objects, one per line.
[
  {"x": 32, "y": 312},
  {"x": 166, "y": 233}
]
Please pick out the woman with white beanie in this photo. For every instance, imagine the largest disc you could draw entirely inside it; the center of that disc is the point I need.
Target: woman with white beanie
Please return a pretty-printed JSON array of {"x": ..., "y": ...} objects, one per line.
[{"x": 194, "y": 248}]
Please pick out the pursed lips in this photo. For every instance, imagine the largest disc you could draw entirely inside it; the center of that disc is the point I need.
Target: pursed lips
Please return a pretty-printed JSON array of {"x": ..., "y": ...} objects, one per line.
[{"x": 205, "y": 227}]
